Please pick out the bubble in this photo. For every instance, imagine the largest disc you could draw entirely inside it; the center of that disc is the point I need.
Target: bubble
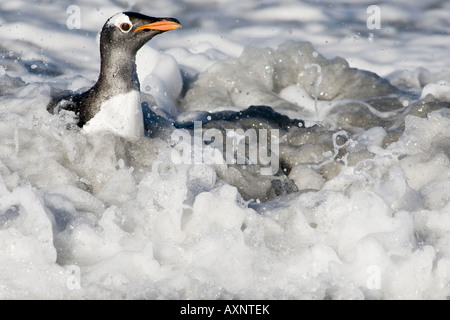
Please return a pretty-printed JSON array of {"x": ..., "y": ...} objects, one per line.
[{"x": 121, "y": 163}]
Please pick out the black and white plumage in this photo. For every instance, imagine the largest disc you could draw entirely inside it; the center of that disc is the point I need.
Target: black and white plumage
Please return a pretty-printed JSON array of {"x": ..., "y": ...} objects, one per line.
[{"x": 114, "y": 103}]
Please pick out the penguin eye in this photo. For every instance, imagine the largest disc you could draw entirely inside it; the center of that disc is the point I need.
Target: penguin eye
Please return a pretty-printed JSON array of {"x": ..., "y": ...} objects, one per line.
[{"x": 125, "y": 26}]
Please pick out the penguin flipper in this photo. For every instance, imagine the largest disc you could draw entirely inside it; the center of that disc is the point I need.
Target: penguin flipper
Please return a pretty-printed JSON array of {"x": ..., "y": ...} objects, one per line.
[{"x": 257, "y": 113}]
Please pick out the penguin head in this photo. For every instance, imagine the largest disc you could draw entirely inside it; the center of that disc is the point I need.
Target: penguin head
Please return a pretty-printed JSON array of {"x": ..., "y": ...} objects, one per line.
[{"x": 129, "y": 31}]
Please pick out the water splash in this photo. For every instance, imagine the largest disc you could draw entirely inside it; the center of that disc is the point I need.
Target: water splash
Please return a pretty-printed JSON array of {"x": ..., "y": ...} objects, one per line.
[{"x": 318, "y": 81}]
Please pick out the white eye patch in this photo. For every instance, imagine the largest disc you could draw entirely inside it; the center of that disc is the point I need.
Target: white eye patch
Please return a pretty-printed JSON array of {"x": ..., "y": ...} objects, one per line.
[{"x": 121, "y": 21}]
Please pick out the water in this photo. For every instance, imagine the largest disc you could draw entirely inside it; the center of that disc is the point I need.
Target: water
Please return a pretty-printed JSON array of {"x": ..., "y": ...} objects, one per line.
[{"x": 360, "y": 209}]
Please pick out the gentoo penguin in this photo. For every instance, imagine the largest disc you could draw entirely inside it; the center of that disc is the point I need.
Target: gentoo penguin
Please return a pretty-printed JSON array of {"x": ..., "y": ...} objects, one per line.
[{"x": 113, "y": 103}]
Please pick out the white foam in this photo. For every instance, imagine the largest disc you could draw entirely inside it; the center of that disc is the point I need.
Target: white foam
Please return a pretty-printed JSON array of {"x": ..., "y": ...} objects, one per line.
[
  {"x": 90, "y": 216},
  {"x": 440, "y": 90}
]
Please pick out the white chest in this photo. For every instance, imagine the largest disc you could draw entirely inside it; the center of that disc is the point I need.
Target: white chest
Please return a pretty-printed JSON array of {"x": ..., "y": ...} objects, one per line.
[{"x": 121, "y": 115}]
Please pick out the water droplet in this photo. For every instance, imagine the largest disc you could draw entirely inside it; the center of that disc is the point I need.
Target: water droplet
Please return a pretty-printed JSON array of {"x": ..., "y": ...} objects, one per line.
[{"x": 121, "y": 163}]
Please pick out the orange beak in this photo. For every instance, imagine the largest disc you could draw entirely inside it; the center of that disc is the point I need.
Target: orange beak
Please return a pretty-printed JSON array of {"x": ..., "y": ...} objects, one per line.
[{"x": 163, "y": 25}]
